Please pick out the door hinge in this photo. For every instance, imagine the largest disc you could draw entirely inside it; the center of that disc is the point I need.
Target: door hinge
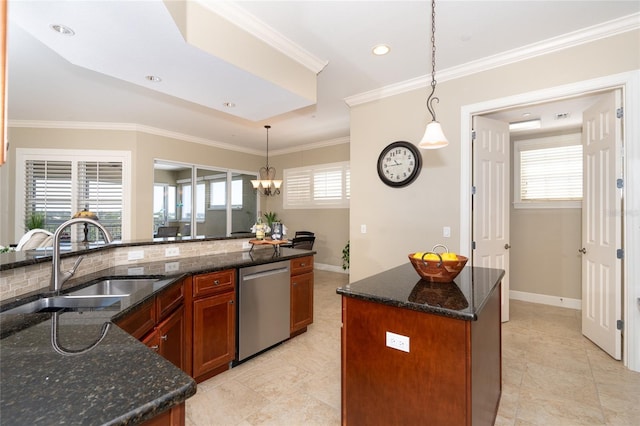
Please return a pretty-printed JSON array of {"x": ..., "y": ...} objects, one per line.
[
  {"x": 619, "y": 183},
  {"x": 473, "y": 135},
  {"x": 620, "y": 112},
  {"x": 473, "y": 190},
  {"x": 620, "y": 325},
  {"x": 473, "y": 245},
  {"x": 620, "y": 253}
]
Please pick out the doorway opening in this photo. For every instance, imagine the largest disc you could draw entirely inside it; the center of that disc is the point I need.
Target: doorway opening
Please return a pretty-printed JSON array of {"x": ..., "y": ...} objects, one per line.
[{"x": 627, "y": 82}]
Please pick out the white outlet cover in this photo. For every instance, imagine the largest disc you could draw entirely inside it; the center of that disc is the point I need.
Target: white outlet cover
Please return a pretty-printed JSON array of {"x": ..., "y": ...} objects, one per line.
[
  {"x": 135, "y": 255},
  {"x": 397, "y": 341},
  {"x": 171, "y": 266}
]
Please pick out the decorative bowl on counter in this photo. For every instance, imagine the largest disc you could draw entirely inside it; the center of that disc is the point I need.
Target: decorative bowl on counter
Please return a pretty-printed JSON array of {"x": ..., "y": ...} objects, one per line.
[{"x": 437, "y": 271}]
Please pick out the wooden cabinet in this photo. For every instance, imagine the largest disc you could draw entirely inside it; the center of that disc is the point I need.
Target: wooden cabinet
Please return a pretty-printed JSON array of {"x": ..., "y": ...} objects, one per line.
[
  {"x": 168, "y": 338},
  {"x": 301, "y": 294},
  {"x": 160, "y": 324},
  {"x": 214, "y": 323}
]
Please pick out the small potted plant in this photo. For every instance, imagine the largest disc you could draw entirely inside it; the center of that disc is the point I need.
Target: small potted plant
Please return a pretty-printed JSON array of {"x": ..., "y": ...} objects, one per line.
[{"x": 345, "y": 257}]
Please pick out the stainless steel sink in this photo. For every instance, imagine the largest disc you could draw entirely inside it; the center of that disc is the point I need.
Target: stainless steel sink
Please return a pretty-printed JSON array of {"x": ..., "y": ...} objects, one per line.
[
  {"x": 116, "y": 287},
  {"x": 63, "y": 302}
]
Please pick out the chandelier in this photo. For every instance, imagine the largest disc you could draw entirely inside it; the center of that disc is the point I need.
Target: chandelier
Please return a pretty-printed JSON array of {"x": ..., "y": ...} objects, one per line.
[
  {"x": 267, "y": 185},
  {"x": 434, "y": 137}
]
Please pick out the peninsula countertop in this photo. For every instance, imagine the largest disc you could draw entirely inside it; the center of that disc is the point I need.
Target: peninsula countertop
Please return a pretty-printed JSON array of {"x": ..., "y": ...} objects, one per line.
[
  {"x": 120, "y": 381},
  {"x": 402, "y": 287}
]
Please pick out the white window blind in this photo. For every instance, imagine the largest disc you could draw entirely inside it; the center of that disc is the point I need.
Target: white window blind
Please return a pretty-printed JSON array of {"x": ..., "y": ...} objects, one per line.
[
  {"x": 55, "y": 184},
  {"x": 48, "y": 191},
  {"x": 100, "y": 191},
  {"x": 319, "y": 186},
  {"x": 549, "y": 172}
]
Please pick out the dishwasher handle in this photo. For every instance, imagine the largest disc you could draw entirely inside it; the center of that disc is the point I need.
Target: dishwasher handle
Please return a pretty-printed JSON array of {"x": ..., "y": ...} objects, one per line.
[{"x": 265, "y": 273}]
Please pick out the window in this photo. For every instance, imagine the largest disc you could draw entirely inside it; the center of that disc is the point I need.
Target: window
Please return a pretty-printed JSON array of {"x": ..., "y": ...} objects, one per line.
[
  {"x": 58, "y": 183},
  {"x": 186, "y": 201},
  {"x": 548, "y": 172},
  {"x": 318, "y": 186},
  {"x": 219, "y": 194}
]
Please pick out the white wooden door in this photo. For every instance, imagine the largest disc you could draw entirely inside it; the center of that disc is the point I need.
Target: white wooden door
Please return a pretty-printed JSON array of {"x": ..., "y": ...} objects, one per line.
[
  {"x": 601, "y": 225},
  {"x": 490, "y": 205}
]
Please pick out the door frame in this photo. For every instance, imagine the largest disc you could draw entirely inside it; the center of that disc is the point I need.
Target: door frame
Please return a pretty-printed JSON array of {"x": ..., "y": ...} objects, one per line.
[{"x": 630, "y": 84}]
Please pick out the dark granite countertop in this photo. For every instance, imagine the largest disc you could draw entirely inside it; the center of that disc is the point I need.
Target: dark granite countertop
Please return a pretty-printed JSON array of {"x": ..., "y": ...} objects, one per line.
[
  {"x": 119, "y": 381},
  {"x": 402, "y": 287}
]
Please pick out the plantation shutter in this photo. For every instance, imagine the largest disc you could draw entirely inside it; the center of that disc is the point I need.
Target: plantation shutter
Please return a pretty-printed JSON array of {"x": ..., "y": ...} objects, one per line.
[
  {"x": 100, "y": 191},
  {"x": 48, "y": 192},
  {"x": 327, "y": 184},
  {"x": 319, "y": 186},
  {"x": 297, "y": 191}
]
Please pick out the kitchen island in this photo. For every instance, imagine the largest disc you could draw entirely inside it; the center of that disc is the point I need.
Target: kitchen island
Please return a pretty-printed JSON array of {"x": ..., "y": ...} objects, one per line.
[{"x": 415, "y": 352}]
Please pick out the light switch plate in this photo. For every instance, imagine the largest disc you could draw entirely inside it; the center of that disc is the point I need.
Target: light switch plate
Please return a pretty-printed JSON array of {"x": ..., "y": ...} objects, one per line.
[
  {"x": 398, "y": 341},
  {"x": 172, "y": 251},
  {"x": 135, "y": 254}
]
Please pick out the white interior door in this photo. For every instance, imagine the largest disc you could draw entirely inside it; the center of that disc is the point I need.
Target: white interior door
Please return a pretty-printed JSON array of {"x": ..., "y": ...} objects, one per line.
[
  {"x": 601, "y": 225},
  {"x": 490, "y": 203}
]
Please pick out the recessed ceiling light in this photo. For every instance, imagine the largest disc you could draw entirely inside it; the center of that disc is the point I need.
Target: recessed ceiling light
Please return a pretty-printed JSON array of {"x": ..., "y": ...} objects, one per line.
[
  {"x": 380, "y": 49},
  {"x": 61, "y": 29},
  {"x": 525, "y": 125},
  {"x": 153, "y": 78},
  {"x": 228, "y": 104}
]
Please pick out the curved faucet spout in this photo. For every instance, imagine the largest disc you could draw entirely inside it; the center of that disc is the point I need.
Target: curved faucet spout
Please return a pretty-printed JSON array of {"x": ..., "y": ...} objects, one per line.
[{"x": 57, "y": 276}]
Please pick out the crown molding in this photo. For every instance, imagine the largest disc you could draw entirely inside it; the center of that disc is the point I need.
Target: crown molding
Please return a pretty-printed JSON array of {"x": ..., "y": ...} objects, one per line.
[
  {"x": 131, "y": 127},
  {"x": 248, "y": 22},
  {"x": 576, "y": 38},
  {"x": 316, "y": 145}
]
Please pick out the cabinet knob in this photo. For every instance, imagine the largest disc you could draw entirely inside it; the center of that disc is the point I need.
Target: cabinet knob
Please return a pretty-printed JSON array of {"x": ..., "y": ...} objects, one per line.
[
  {"x": 231, "y": 302},
  {"x": 164, "y": 337},
  {"x": 303, "y": 264},
  {"x": 216, "y": 282}
]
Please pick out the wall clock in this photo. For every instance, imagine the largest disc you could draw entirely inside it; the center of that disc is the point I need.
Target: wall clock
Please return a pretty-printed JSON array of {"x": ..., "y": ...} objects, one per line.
[{"x": 399, "y": 164}]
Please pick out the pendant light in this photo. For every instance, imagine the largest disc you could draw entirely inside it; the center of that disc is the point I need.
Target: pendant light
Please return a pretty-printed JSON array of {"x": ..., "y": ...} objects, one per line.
[
  {"x": 434, "y": 137},
  {"x": 267, "y": 185}
]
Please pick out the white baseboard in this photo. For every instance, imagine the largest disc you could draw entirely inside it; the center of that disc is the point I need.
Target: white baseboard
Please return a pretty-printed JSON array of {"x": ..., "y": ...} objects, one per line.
[
  {"x": 544, "y": 299},
  {"x": 331, "y": 268}
]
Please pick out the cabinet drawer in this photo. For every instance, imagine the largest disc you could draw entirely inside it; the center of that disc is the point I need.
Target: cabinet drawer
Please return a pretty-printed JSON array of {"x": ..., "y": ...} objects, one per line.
[
  {"x": 141, "y": 321},
  {"x": 169, "y": 300},
  {"x": 301, "y": 265},
  {"x": 214, "y": 282}
]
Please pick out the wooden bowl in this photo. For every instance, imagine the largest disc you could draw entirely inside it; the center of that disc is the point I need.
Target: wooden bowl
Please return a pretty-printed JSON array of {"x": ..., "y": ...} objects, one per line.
[{"x": 438, "y": 271}]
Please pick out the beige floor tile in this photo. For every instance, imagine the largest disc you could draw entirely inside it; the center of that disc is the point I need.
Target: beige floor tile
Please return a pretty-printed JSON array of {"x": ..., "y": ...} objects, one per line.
[{"x": 552, "y": 375}]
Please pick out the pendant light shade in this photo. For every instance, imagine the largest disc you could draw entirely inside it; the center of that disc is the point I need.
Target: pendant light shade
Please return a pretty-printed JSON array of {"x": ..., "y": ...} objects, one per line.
[{"x": 434, "y": 137}]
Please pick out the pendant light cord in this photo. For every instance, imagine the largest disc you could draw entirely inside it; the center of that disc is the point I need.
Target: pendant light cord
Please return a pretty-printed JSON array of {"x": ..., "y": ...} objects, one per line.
[
  {"x": 431, "y": 98},
  {"x": 267, "y": 127}
]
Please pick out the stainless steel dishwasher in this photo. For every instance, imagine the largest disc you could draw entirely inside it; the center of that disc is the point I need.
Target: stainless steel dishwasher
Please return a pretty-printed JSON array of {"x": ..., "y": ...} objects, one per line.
[{"x": 264, "y": 304}]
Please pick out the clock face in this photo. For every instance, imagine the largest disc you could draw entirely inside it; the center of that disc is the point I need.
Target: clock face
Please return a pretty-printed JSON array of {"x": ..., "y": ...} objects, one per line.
[{"x": 399, "y": 164}]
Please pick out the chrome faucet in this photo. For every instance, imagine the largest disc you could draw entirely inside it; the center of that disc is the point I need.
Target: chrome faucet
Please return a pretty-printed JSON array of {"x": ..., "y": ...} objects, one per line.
[{"x": 57, "y": 276}]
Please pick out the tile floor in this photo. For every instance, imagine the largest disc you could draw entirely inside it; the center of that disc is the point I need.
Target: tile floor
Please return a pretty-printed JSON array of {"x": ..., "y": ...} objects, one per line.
[{"x": 551, "y": 375}]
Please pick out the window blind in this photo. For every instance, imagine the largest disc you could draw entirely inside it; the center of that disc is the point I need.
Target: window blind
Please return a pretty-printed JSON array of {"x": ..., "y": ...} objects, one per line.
[
  {"x": 100, "y": 191},
  {"x": 319, "y": 186},
  {"x": 551, "y": 173},
  {"x": 48, "y": 192}
]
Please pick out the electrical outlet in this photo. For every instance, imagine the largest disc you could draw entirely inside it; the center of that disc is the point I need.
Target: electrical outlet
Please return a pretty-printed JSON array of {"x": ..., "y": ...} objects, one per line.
[
  {"x": 135, "y": 271},
  {"x": 446, "y": 232},
  {"x": 246, "y": 245},
  {"x": 171, "y": 266},
  {"x": 136, "y": 255},
  {"x": 172, "y": 251},
  {"x": 398, "y": 341}
]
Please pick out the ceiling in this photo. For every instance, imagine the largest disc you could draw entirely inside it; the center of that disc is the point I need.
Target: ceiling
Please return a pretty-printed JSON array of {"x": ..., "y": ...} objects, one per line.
[{"x": 97, "y": 76}]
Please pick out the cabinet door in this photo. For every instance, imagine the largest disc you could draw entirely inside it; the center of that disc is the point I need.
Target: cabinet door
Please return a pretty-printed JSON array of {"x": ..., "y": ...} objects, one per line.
[
  {"x": 213, "y": 332},
  {"x": 141, "y": 321},
  {"x": 301, "y": 301},
  {"x": 171, "y": 334}
]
